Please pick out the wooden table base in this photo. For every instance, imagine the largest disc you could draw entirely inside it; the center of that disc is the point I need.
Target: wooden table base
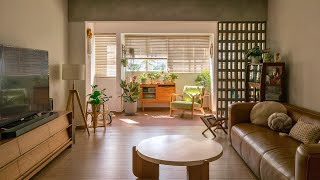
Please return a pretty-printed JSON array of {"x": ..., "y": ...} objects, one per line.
[
  {"x": 142, "y": 168},
  {"x": 145, "y": 169},
  {"x": 200, "y": 172}
]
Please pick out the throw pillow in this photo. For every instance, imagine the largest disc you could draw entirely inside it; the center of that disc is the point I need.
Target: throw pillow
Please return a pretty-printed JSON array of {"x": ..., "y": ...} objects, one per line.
[
  {"x": 305, "y": 132},
  {"x": 280, "y": 122},
  {"x": 261, "y": 111}
]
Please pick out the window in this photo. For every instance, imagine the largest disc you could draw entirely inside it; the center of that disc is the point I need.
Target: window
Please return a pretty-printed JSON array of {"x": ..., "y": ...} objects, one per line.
[
  {"x": 182, "y": 54},
  {"x": 105, "y": 55}
]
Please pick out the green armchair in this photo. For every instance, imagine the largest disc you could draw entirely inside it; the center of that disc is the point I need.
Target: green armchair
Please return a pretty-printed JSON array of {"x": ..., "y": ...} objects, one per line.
[{"x": 191, "y": 99}]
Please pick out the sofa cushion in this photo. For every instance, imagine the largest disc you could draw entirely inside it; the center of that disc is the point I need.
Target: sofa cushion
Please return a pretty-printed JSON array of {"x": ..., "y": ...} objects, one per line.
[
  {"x": 238, "y": 131},
  {"x": 278, "y": 164},
  {"x": 305, "y": 132},
  {"x": 254, "y": 145},
  {"x": 280, "y": 122},
  {"x": 261, "y": 111}
]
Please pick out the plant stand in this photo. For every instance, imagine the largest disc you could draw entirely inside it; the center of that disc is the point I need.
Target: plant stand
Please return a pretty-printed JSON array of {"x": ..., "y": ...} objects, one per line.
[{"x": 97, "y": 110}]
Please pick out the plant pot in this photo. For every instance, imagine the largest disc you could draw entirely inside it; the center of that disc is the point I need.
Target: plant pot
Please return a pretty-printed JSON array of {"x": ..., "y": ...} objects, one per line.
[
  {"x": 267, "y": 57},
  {"x": 143, "y": 81},
  {"x": 130, "y": 108},
  {"x": 255, "y": 59}
]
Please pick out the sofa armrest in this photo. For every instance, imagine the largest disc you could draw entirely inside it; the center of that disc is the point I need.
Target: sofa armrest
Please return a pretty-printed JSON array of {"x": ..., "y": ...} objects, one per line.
[
  {"x": 239, "y": 113},
  {"x": 307, "y": 162}
]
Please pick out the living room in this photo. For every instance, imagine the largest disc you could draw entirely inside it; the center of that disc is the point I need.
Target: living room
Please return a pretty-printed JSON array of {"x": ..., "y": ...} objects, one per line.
[{"x": 61, "y": 29}]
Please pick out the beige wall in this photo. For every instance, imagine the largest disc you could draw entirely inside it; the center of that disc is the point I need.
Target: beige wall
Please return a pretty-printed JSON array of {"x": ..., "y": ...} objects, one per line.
[
  {"x": 42, "y": 25},
  {"x": 294, "y": 31}
]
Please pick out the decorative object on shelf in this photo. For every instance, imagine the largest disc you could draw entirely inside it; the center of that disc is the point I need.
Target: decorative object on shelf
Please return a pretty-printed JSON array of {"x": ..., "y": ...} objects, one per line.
[
  {"x": 89, "y": 37},
  {"x": 277, "y": 58},
  {"x": 211, "y": 50},
  {"x": 130, "y": 96},
  {"x": 267, "y": 56},
  {"x": 254, "y": 54},
  {"x": 204, "y": 79},
  {"x": 265, "y": 82},
  {"x": 143, "y": 78},
  {"x": 74, "y": 72}
]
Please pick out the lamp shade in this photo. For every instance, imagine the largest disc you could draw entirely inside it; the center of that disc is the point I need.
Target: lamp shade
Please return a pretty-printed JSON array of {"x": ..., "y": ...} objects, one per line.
[{"x": 73, "y": 71}]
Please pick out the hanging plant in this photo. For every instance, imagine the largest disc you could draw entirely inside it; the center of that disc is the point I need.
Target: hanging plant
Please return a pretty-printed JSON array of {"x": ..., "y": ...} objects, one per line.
[{"x": 124, "y": 62}]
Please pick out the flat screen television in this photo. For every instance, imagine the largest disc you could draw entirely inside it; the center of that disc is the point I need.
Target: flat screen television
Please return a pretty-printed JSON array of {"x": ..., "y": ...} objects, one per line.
[{"x": 24, "y": 82}]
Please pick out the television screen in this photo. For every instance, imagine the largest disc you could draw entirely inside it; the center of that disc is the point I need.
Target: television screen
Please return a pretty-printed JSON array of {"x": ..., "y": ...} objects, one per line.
[{"x": 24, "y": 82}]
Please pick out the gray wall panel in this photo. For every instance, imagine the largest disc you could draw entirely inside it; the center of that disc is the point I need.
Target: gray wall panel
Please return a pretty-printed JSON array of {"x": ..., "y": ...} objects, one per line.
[{"x": 168, "y": 10}]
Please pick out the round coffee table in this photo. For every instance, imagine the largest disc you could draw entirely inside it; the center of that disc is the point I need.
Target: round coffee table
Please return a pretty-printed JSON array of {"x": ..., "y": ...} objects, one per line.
[{"x": 195, "y": 152}]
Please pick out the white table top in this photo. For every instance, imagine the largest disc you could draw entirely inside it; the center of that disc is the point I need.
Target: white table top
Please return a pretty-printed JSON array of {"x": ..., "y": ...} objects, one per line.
[{"x": 179, "y": 150}]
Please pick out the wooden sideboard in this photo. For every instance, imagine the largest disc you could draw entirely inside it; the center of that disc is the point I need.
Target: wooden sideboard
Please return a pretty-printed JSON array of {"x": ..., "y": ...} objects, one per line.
[
  {"x": 23, "y": 156},
  {"x": 156, "y": 93}
]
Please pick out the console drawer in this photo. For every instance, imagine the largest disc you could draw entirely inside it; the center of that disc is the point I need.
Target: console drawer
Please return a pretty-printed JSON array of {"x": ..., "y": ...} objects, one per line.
[
  {"x": 31, "y": 139},
  {"x": 58, "y": 124},
  {"x": 8, "y": 152},
  {"x": 57, "y": 140},
  {"x": 10, "y": 172},
  {"x": 33, "y": 157}
]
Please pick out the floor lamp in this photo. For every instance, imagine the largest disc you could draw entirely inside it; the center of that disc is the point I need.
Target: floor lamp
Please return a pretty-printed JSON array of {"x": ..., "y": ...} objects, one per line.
[{"x": 74, "y": 72}]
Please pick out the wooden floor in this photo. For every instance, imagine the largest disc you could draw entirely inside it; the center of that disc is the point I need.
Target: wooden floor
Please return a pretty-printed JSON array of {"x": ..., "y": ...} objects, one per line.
[{"x": 107, "y": 155}]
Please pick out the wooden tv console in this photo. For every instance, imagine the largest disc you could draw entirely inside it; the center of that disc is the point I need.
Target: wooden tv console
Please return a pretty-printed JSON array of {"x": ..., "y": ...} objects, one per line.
[
  {"x": 23, "y": 156},
  {"x": 156, "y": 93}
]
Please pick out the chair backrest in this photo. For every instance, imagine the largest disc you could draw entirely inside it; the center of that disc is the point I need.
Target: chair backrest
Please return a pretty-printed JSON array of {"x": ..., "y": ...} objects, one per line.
[{"x": 189, "y": 91}]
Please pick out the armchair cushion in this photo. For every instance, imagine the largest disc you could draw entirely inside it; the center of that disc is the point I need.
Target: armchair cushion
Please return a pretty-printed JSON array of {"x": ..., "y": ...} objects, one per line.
[
  {"x": 183, "y": 105},
  {"x": 190, "y": 91}
]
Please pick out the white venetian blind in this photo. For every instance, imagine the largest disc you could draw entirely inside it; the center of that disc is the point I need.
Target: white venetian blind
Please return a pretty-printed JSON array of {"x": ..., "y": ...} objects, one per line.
[
  {"x": 185, "y": 53},
  {"x": 105, "y": 55}
]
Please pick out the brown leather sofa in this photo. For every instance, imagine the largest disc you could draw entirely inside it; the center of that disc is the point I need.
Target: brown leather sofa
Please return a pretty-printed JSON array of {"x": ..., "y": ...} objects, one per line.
[{"x": 269, "y": 155}]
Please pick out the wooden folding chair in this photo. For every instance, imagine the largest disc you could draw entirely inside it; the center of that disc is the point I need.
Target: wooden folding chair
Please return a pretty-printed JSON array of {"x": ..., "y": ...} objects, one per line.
[{"x": 211, "y": 121}]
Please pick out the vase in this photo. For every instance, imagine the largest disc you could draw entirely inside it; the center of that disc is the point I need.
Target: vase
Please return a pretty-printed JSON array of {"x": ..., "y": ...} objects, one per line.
[
  {"x": 143, "y": 81},
  {"x": 130, "y": 108},
  {"x": 267, "y": 57},
  {"x": 255, "y": 59}
]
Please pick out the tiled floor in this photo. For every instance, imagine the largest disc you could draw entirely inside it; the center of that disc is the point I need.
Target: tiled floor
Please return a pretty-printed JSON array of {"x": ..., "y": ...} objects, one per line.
[{"x": 107, "y": 153}]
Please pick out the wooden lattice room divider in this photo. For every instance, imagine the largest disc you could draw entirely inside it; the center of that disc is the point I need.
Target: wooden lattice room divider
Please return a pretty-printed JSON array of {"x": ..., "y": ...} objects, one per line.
[{"x": 234, "y": 39}]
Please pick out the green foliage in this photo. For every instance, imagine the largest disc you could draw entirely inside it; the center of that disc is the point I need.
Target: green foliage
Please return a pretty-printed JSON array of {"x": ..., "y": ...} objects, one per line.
[
  {"x": 173, "y": 76},
  {"x": 124, "y": 62},
  {"x": 130, "y": 91},
  {"x": 143, "y": 77},
  {"x": 154, "y": 75},
  {"x": 254, "y": 52},
  {"x": 97, "y": 96},
  {"x": 204, "y": 79}
]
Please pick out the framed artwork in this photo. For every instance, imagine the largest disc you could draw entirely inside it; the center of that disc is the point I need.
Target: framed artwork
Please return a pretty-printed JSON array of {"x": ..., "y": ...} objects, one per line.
[{"x": 273, "y": 75}]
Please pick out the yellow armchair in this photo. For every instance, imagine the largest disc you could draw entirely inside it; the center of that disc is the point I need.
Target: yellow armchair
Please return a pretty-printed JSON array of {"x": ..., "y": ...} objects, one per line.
[{"x": 191, "y": 99}]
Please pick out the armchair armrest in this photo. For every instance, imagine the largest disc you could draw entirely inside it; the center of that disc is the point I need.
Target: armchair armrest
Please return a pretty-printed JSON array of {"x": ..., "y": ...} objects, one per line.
[
  {"x": 307, "y": 162},
  {"x": 239, "y": 113},
  {"x": 174, "y": 95}
]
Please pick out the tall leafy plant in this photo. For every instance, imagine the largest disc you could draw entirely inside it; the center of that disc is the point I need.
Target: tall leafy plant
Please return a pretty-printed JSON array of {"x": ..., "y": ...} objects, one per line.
[
  {"x": 97, "y": 96},
  {"x": 130, "y": 91},
  {"x": 204, "y": 79}
]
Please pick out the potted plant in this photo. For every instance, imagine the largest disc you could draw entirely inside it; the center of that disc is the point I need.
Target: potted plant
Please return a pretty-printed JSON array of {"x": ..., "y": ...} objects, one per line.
[
  {"x": 204, "y": 79},
  {"x": 97, "y": 97},
  {"x": 130, "y": 96},
  {"x": 165, "y": 78},
  {"x": 143, "y": 78},
  {"x": 254, "y": 54},
  {"x": 153, "y": 76},
  {"x": 173, "y": 77}
]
